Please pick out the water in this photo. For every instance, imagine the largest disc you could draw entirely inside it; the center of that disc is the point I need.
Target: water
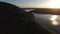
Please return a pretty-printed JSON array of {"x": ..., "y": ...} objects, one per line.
[{"x": 51, "y": 21}]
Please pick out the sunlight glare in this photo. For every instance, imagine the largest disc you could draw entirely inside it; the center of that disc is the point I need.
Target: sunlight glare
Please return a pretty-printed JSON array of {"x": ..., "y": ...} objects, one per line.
[
  {"x": 53, "y": 17},
  {"x": 55, "y": 23},
  {"x": 55, "y": 4}
]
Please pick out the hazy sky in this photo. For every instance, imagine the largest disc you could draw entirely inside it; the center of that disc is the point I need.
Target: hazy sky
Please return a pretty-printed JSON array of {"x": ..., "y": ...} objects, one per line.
[{"x": 29, "y": 3}]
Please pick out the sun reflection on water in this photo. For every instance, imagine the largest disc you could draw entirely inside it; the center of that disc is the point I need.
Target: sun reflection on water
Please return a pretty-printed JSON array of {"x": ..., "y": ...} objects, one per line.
[
  {"x": 55, "y": 22},
  {"x": 53, "y": 19}
]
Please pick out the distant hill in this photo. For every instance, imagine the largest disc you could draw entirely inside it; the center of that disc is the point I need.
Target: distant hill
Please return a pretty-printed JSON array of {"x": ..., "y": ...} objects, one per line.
[{"x": 45, "y": 10}]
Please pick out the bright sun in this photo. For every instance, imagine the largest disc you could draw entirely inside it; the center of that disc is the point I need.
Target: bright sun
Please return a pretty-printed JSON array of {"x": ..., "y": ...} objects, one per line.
[{"x": 55, "y": 4}]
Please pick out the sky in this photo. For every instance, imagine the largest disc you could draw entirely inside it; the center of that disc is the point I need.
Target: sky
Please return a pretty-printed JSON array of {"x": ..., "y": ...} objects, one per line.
[{"x": 29, "y": 3}]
